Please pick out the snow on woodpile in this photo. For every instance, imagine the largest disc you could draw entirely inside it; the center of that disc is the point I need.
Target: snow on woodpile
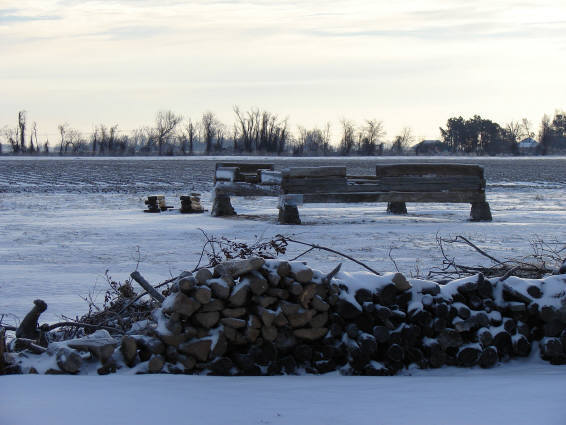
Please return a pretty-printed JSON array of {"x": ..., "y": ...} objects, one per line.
[{"x": 269, "y": 317}]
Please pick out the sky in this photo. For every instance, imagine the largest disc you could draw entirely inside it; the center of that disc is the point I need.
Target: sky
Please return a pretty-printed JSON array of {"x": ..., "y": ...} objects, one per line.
[{"x": 412, "y": 63}]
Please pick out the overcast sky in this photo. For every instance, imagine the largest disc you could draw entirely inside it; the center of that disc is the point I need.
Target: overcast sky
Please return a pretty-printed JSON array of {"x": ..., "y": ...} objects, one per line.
[{"x": 411, "y": 63}]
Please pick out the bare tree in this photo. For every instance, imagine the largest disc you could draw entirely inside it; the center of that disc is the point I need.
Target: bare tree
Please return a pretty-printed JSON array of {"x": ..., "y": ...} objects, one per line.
[
  {"x": 191, "y": 136},
  {"x": 248, "y": 128},
  {"x": 369, "y": 137},
  {"x": 526, "y": 126},
  {"x": 209, "y": 130},
  {"x": 165, "y": 124},
  {"x": 11, "y": 136},
  {"x": 22, "y": 129},
  {"x": 62, "y": 131},
  {"x": 75, "y": 141},
  {"x": 220, "y": 136},
  {"x": 402, "y": 141},
  {"x": 514, "y": 131},
  {"x": 33, "y": 136},
  {"x": 348, "y": 137}
]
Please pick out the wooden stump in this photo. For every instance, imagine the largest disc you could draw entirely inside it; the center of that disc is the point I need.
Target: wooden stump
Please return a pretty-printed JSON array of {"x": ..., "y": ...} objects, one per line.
[
  {"x": 396, "y": 208},
  {"x": 480, "y": 212},
  {"x": 222, "y": 206},
  {"x": 289, "y": 214}
]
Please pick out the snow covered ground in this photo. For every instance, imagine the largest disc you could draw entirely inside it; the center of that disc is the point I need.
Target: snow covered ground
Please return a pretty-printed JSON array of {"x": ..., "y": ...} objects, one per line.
[
  {"x": 519, "y": 393},
  {"x": 57, "y": 245}
]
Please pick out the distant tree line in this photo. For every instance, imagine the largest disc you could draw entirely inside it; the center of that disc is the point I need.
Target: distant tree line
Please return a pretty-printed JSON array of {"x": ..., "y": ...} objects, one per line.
[
  {"x": 258, "y": 131},
  {"x": 481, "y": 136}
]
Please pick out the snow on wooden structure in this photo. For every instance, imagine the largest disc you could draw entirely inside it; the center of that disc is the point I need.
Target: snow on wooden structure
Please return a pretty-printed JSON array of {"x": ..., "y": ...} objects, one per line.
[{"x": 395, "y": 184}]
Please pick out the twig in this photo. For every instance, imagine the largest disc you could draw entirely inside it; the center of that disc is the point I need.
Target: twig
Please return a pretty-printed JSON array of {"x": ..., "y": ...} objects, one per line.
[
  {"x": 508, "y": 273},
  {"x": 323, "y": 248},
  {"x": 328, "y": 278},
  {"x": 481, "y": 251},
  {"x": 300, "y": 255},
  {"x": 392, "y": 259}
]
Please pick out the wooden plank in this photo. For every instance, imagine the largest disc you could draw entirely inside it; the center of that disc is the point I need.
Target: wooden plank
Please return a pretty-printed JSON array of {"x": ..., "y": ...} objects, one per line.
[
  {"x": 416, "y": 184},
  {"x": 397, "y": 170},
  {"x": 443, "y": 197},
  {"x": 246, "y": 167},
  {"x": 226, "y": 174},
  {"x": 314, "y": 185},
  {"x": 248, "y": 177},
  {"x": 270, "y": 177},
  {"x": 245, "y": 189},
  {"x": 379, "y": 187},
  {"x": 314, "y": 172}
]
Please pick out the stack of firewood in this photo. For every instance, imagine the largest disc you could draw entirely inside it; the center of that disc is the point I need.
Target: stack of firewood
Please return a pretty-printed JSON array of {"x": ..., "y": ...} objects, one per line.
[
  {"x": 156, "y": 204},
  {"x": 191, "y": 204},
  {"x": 265, "y": 317}
]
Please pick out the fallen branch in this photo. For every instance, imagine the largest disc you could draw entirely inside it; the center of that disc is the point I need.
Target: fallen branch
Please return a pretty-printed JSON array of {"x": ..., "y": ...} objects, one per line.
[
  {"x": 479, "y": 250},
  {"x": 323, "y": 248},
  {"x": 146, "y": 293},
  {"x": 147, "y": 286},
  {"x": 82, "y": 325}
]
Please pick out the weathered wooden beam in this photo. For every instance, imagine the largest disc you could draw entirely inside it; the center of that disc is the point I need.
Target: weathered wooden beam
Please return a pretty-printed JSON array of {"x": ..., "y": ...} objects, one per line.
[
  {"x": 314, "y": 185},
  {"x": 448, "y": 197},
  {"x": 226, "y": 174},
  {"x": 245, "y": 189},
  {"x": 413, "y": 187},
  {"x": 246, "y": 167},
  {"x": 314, "y": 172},
  {"x": 397, "y": 170},
  {"x": 269, "y": 177}
]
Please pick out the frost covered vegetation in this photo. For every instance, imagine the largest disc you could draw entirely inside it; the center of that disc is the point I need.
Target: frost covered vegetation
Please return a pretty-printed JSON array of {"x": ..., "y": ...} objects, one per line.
[
  {"x": 261, "y": 132},
  {"x": 247, "y": 313}
]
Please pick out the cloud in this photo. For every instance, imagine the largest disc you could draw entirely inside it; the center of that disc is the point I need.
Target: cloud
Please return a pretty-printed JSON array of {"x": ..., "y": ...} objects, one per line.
[
  {"x": 13, "y": 16},
  {"x": 131, "y": 32}
]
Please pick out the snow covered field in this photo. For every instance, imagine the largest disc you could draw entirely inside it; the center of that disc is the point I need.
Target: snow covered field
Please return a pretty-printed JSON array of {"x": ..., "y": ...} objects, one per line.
[
  {"x": 57, "y": 245},
  {"x": 58, "y": 241},
  {"x": 520, "y": 393}
]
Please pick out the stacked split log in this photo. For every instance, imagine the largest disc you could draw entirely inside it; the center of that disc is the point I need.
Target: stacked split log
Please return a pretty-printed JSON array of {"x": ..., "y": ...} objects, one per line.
[
  {"x": 191, "y": 204},
  {"x": 156, "y": 204},
  {"x": 267, "y": 317}
]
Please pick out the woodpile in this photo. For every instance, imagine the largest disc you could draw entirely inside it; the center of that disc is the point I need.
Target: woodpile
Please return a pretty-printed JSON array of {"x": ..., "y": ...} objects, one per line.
[
  {"x": 269, "y": 317},
  {"x": 191, "y": 204},
  {"x": 156, "y": 204}
]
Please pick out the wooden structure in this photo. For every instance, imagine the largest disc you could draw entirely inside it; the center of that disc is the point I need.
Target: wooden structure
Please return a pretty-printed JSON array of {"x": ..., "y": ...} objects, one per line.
[
  {"x": 395, "y": 184},
  {"x": 242, "y": 179}
]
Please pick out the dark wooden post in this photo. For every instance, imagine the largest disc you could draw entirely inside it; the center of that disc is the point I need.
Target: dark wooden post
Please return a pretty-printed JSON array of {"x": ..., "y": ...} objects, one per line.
[
  {"x": 396, "y": 208},
  {"x": 289, "y": 214},
  {"x": 222, "y": 206},
  {"x": 480, "y": 212}
]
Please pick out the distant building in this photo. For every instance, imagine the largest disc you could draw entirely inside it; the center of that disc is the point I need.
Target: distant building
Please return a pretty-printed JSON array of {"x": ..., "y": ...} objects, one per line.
[
  {"x": 528, "y": 145},
  {"x": 430, "y": 147}
]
